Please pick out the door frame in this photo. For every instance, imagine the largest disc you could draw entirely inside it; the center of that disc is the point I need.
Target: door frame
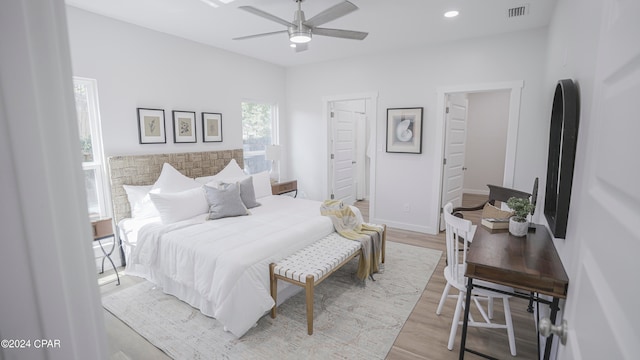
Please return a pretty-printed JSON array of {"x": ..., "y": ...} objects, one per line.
[
  {"x": 515, "y": 88},
  {"x": 372, "y": 120}
]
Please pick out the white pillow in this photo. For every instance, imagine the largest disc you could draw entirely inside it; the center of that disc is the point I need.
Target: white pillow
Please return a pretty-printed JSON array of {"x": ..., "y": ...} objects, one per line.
[
  {"x": 262, "y": 184},
  {"x": 171, "y": 181},
  {"x": 139, "y": 201},
  {"x": 174, "y": 207},
  {"x": 232, "y": 172}
]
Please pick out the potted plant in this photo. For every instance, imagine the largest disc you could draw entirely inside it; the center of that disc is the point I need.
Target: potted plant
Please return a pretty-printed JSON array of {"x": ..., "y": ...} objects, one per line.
[{"x": 522, "y": 207}]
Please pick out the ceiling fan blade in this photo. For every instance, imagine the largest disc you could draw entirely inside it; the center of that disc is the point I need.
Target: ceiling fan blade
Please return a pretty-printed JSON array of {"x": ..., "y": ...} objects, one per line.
[
  {"x": 259, "y": 35},
  {"x": 345, "y": 34},
  {"x": 301, "y": 47},
  {"x": 331, "y": 13},
  {"x": 265, "y": 15}
]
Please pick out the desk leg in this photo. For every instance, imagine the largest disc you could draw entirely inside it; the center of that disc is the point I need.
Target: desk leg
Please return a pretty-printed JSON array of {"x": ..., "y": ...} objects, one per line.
[
  {"x": 554, "y": 312},
  {"x": 530, "y": 307},
  {"x": 465, "y": 322}
]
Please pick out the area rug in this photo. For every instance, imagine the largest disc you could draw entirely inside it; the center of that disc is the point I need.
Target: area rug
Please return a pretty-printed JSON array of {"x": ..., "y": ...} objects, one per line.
[{"x": 352, "y": 320}]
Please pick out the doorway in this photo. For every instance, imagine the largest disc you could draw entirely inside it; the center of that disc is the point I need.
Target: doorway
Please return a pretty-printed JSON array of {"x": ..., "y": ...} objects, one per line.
[
  {"x": 351, "y": 146},
  {"x": 452, "y": 177}
]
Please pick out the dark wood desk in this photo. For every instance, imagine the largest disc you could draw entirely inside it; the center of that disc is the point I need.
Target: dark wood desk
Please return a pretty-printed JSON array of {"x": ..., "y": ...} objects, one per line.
[{"x": 529, "y": 263}]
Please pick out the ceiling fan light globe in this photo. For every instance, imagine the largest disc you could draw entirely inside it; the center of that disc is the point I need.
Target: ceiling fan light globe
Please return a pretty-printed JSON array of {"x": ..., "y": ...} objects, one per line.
[{"x": 300, "y": 37}]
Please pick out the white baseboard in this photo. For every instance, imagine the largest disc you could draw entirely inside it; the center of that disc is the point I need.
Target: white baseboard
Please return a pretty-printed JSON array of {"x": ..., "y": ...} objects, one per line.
[
  {"x": 475, "y": 192},
  {"x": 404, "y": 226}
]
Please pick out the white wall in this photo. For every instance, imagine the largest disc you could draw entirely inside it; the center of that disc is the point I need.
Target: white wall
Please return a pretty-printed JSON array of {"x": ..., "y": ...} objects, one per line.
[
  {"x": 136, "y": 67},
  {"x": 570, "y": 57},
  {"x": 487, "y": 121},
  {"x": 410, "y": 79}
]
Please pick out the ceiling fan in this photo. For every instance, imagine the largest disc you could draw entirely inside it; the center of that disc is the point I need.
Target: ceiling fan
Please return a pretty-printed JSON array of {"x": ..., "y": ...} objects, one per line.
[{"x": 301, "y": 29}]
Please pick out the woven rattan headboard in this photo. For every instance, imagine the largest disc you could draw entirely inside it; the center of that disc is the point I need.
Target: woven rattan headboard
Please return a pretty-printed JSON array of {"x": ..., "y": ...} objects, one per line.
[{"x": 145, "y": 169}]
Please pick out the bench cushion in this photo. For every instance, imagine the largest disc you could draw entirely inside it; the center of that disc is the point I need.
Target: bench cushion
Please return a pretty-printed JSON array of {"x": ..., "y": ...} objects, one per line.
[{"x": 317, "y": 259}]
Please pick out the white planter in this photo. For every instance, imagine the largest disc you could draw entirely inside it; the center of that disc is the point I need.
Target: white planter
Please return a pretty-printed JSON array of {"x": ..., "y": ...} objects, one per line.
[{"x": 518, "y": 228}]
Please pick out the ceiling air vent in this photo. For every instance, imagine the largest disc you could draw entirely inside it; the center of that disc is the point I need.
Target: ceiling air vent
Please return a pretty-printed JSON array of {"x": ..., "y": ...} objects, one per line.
[{"x": 518, "y": 11}]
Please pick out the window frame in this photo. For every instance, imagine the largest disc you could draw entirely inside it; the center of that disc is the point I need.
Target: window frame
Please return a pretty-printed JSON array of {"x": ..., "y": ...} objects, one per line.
[
  {"x": 98, "y": 164},
  {"x": 275, "y": 127}
]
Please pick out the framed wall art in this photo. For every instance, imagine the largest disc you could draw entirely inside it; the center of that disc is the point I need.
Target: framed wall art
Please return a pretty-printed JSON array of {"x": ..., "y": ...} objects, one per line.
[
  {"x": 184, "y": 126},
  {"x": 211, "y": 127},
  {"x": 151, "y": 126},
  {"x": 404, "y": 130}
]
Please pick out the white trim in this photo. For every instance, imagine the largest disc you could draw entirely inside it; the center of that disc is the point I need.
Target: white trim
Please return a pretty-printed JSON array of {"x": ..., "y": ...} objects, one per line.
[
  {"x": 515, "y": 88},
  {"x": 404, "y": 226},
  {"x": 372, "y": 119},
  {"x": 475, "y": 192}
]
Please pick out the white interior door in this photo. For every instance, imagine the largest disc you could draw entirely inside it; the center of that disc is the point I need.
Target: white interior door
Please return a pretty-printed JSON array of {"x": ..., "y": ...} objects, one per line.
[
  {"x": 454, "y": 149},
  {"x": 343, "y": 152},
  {"x": 602, "y": 304},
  {"x": 361, "y": 155}
]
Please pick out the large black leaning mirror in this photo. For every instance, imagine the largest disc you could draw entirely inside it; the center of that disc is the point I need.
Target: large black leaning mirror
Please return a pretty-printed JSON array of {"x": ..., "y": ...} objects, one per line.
[{"x": 562, "y": 152}]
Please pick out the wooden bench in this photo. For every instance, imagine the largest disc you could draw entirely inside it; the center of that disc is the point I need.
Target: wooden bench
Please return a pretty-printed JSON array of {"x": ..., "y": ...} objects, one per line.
[{"x": 311, "y": 265}]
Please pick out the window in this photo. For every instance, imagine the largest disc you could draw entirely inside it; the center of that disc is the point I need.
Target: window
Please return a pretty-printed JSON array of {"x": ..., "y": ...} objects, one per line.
[
  {"x": 86, "y": 96},
  {"x": 259, "y": 129}
]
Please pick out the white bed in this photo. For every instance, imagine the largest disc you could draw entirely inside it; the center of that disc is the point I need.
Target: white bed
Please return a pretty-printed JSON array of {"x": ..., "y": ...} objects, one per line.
[
  {"x": 222, "y": 266},
  {"x": 219, "y": 266}
]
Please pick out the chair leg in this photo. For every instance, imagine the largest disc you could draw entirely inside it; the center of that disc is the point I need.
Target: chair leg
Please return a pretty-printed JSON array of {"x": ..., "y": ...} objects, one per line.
[
  {"x": 445, "y": 293},
  {"x": 490, "y": 307},
  {"x": 509, "y": 323},
  {"x": 456, "y": 320}
]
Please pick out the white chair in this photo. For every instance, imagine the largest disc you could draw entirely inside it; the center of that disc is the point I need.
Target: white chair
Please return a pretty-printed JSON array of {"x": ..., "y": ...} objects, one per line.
[{"x": 458, "y": 229}]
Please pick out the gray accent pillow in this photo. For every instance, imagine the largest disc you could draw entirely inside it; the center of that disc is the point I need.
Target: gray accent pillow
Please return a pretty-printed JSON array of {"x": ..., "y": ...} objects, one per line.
[
  {"x": 247, "y": 193},
  {"x": 225, "y": 201}
]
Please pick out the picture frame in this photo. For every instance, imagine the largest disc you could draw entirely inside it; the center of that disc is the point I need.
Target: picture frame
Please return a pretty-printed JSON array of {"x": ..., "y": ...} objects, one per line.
[
  {"x": 184, "y": 126},
  {"x": 211, "y": 127},
  {"x": 404, "y": 130},
  {"x": 151, "y": 126}
]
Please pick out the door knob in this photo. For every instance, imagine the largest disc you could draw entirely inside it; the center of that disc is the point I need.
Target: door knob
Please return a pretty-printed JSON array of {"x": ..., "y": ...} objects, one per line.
[{"x": 547, "y": 328}]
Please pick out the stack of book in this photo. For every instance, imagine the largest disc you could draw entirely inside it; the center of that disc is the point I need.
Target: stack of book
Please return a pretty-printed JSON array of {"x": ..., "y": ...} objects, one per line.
[{"x": 495, "y": 224}]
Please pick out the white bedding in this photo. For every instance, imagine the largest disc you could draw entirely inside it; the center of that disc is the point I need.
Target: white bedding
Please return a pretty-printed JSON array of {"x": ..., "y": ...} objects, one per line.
[{"x": 222, "y": 266}]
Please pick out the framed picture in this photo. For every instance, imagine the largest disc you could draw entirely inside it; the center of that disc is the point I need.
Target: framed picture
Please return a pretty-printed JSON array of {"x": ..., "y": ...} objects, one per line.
[
  {"x": 151, "y": 126},
  {"x": 184, "y": 126},
  {"x": 404, "y": 130},
  {"x": 211, "y": 127}
]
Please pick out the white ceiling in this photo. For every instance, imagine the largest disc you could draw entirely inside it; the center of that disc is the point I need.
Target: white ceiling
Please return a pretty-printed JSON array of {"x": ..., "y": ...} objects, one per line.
[{"x": 392, "y": 25}]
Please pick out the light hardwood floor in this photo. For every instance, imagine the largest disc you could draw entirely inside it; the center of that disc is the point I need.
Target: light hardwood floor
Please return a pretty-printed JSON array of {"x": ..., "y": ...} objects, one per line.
[{"x": 423, "y": 336}]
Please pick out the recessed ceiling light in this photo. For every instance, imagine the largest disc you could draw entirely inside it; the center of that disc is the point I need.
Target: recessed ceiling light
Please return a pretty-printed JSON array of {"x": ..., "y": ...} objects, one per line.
[{"x": 452, "y": 13}]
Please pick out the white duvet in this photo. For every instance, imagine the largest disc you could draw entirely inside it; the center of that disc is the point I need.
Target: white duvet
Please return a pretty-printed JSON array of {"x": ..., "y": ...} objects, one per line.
[{"x": 222, "y": 266}]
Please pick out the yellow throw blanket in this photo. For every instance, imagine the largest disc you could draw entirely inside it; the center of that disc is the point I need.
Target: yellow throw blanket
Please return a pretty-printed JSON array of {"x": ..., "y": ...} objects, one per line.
[{"x": 347, "y": 224}]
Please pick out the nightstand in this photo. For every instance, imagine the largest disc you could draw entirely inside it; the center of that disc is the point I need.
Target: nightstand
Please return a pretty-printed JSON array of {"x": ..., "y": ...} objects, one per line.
[
  {"x": 103, "y": 229},
  {"x": 284, "y": 187}
]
